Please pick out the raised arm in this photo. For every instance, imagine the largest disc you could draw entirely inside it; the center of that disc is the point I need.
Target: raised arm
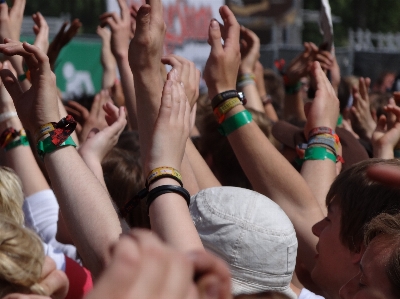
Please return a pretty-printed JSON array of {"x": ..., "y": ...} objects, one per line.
[
  {"x": 107, "y": 58},
  {"x": 120, "y": 35},
  {"x": 85, "y": 205},
  {"x": 267, "y": 170}
]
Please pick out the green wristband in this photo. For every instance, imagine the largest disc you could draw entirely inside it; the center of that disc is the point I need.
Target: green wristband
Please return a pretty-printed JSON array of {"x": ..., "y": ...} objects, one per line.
[
  {"x": 46, "y": 146},
  {"x": 293, "y": 89},
  {"x": 235, "y": 122},
  {"x": 23, "y": 140},
  {"x": 318, "y": 153}
]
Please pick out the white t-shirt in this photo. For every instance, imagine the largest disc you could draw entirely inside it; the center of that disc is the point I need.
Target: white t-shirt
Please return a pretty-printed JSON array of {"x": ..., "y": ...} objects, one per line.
[
  {"x": 41, "y": 215},
  {"x": 306, "y": 294}
]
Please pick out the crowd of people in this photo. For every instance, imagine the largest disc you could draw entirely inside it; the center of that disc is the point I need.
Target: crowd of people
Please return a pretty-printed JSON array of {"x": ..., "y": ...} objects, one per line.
[{"x": 269, "y": 185}]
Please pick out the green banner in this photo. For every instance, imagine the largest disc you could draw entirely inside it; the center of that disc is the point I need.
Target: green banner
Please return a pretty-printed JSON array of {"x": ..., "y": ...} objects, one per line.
[{"x": 78, "y": 68}]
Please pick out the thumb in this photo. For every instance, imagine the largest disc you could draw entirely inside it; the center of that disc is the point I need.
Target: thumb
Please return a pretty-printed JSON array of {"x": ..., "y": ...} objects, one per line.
[
  {"x": 381, "y": 123},
  {"x": 214, "y": 36},
  {"x": 11, "y": 84},
  {"x": 143, "y": 20},
  {"x": 208, "y": 287}
]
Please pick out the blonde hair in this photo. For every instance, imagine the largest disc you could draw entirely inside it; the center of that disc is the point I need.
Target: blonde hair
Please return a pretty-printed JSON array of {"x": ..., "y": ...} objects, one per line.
[
  {"x": 11, "y": 195},
  {"x": 21, "y": 259}
]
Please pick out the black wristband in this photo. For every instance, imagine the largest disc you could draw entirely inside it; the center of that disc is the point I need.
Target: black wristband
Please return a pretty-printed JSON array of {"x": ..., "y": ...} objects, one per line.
[
  {"x": 133, "y": 203},
  {"x": 223, "y": 96},
  {"x": 160, "y": 190}
]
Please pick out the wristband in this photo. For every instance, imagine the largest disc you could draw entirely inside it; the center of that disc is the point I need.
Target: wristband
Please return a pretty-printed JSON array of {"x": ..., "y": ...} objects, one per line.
[
  {"x": 293, "y": 89},
  {"x": 225, "y": 107},
  {"x": 226, "y": 95},
  {"x": 340, "y": 120},
  {"x": 133, "y": 203},
  {"x": 23, "y": 140},
  {"x": 46, "y": 146},
  {"x": 59, "y": 132},
  {"x": 321, "y": 130},
  {"x": 9, "y": 135},
  {"x": 235, "y": 122},
  {"x": 156, "y": 192},
  {"x": 7, "y": 115},
  {"x": 319, "y": 153},
  {"x": 245, "y": 79},
  {"x": 266, "y": 99},
  {"x": 330, "y": 142},
  {"x": 163, "y": 172}
]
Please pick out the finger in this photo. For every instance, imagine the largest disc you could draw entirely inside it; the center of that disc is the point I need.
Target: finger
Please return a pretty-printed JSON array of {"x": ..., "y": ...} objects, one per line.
[
  {"x": 175, "y": 63},
  {"x": 4, "y": 11},
  {"x": 11, "y": 84},
  {"x": 112, "y": 15},
  {"x": 118, "y": 126},
  {"x": 112, "y": 113},
  {"x": 96, "y": 105},
  {"x": 75, "y": 114},
  {"x": 40, "y": 56},
  {"x": 22, "y": 296},
  {"x": 156, "y": 7},
  {"x": 363, "y": 89},
  {"x": 125, "y": 14},
  {"x": 166, "y": 99},
  {"x": 231, "y": 33},
  {"x": 143, "y": 20},
  {"x": 214, "y": 37},
  {"x": 81, "y": 109},
  {"x": 56, "y": 284},
  {"x": 182, "y": 101},
  {"x": 385, "y": 174},
  {"x": 381, "y": 125}
]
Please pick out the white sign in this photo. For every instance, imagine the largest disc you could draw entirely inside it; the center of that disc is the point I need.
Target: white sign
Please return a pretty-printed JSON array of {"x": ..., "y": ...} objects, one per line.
[{"x": 187, "y": 26}]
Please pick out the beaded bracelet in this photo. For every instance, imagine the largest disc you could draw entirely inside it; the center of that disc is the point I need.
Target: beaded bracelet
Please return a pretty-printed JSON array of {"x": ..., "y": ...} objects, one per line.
[{"x": 235, "y": 122}]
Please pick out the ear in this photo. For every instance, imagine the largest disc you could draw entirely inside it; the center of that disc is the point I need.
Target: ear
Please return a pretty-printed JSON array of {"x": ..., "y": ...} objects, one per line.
[{"x": 356, "y": 256}]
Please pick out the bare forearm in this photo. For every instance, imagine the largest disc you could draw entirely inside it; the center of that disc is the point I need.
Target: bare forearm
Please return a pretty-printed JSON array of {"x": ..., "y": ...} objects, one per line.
[
  {"x": 294, "y": 107},
  {"x": 128, "y": 87},
  {"x": 85, "y": 205},
  {"x": 270, "y": 112},
  {"x": 253, "y": 97},
  {"x": 203, "y": 174}
]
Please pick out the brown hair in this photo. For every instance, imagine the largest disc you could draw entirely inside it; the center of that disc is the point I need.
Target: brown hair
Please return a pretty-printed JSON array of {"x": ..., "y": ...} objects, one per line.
[
  {"x": 21, "y": 259},
  {"x": 389, "y": 226},
  {"x": 361, "y": 199},
  {"x": 225, "y": 165},
  {"x": 123, "y": 177}
]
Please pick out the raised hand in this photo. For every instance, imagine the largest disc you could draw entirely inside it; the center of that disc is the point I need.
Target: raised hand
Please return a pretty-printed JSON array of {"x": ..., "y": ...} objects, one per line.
[
  {"x": 250, "y": 50},
  {"x": 222, "y": 66},
  {"x": 301, "y": 65},
  {"x": 120, "y": 27},
  {"x": 61, "y": 39},
  {"x": 38, "y": 105},
  {"x": 41, "y": 30},
  {"x": 145, "y": 50},
  {"x": 172, "y": 127},
  {"x": 99, "y": 143},
  {"x": 324, "y": 109},
  {"x": 386, "y": 136},
  {"x": 11, "y": 19},
  {"x": 187, "y": 73},
  {"x": 362, "y": 121}
]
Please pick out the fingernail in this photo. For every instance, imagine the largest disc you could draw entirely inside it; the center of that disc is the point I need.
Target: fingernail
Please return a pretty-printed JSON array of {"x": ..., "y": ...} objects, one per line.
[
  {"x": 5, "y": 65},
  {"x": 214, "y": 24}
]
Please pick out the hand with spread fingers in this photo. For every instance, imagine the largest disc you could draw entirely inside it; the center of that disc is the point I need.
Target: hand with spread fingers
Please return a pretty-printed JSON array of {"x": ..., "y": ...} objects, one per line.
[
  {"x": 62, "y": 38},
  {"x": 222, "y": 66},
  {"x": 95, "y": 119},
  {"x": 41, "y": 30},
  {"x": 386, "y": 136},
  {"x": 187, "y": 73},
  {"x": 120, "y": 27},
  {"x": 361, "y": 118},
  {"x": 38, "y": 105},
  {"x": 300, "y": 66}
]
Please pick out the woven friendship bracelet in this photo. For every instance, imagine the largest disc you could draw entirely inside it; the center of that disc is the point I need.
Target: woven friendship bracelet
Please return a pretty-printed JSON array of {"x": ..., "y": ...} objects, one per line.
[
  {"x": 47, "y": 146},
  {"x": 320, "y": 130},
  {"x": 59, "y": 132},
  {"x": 9, "y": 135},
  {"x": 163, "y": 172},
  {"x": 225, "y": 107},
  {"x": 23, "y": 140}
]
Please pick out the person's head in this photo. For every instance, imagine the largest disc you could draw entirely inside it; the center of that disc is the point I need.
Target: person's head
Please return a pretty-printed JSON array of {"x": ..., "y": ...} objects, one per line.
[
  {"x": 11, "y": 195},
  {"x": 21, "y": 259},
  {"x": 379, "y": 275},
  {"x": 218, "y": 153},
  {"x": 123, "y": 177},
  {"x": 352, "y": 201},
  {"x": 251, "y": 234}
]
